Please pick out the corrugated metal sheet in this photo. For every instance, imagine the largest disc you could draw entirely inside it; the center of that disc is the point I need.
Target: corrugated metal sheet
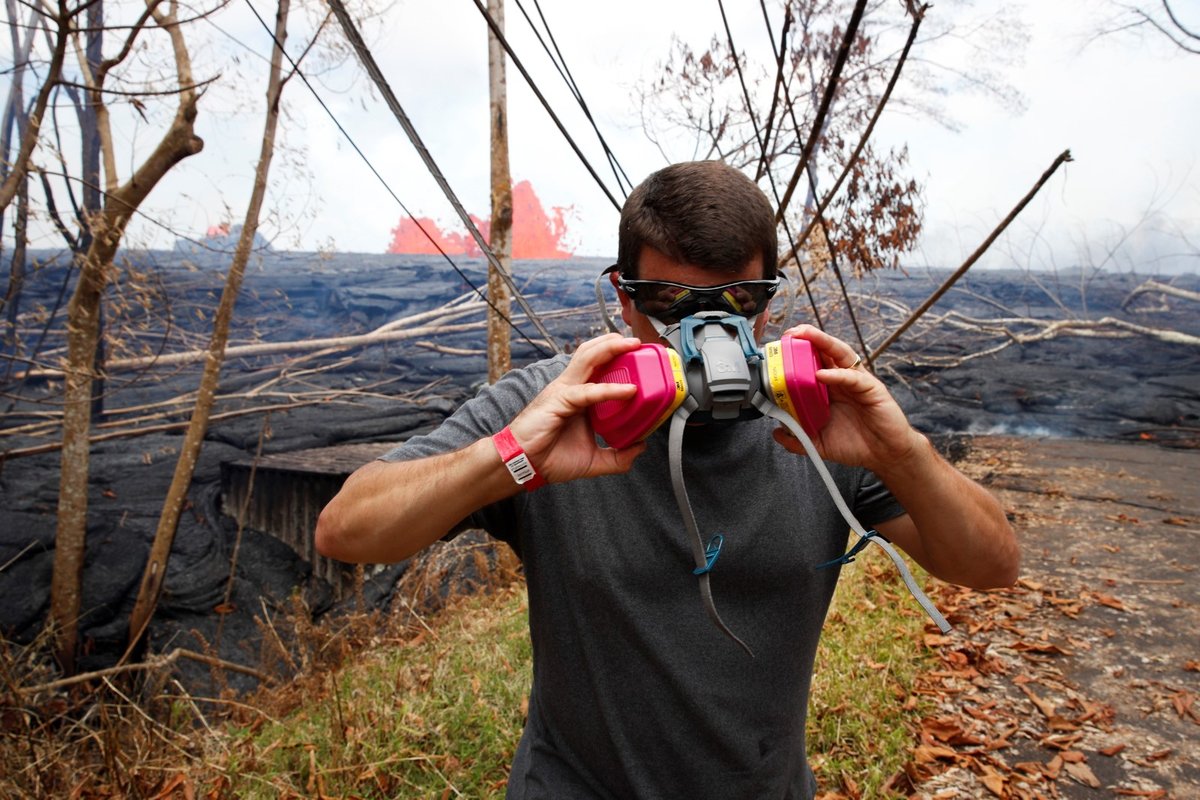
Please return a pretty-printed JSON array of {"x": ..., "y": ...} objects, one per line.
[{"x": 289, "y": 491}]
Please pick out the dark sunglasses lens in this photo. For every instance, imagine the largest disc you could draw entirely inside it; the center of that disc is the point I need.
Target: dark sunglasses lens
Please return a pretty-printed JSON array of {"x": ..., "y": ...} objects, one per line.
[{"x": 671, "y": 303}]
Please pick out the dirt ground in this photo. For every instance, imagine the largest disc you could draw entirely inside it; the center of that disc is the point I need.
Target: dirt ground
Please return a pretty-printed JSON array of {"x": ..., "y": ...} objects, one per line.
[{"x": 1084, "y": 680}]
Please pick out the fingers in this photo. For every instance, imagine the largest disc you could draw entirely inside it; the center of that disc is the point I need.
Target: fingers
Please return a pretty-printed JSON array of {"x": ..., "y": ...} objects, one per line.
[
  {"x": 582, "y": 396},
  {"x": 595, "y": 353},
  {"x": 573, "y": 390},
  {"x": 854, "y": 380},
  {"x": 541, "y": 424},
  {"x": 614, "y": 462},
  {"x": 834, "y": 352}
]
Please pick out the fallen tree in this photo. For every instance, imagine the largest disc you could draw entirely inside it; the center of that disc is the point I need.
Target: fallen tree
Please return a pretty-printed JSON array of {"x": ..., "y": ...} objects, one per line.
[
  {"x": 428, "y": 323},
  {"x": 1027, "y": 330},
  {"x": 1158, "y": 287}
]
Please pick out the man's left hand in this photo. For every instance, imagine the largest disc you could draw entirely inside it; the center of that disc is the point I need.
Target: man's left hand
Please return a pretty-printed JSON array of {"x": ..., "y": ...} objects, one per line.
[{"x": 866, "y": 426}]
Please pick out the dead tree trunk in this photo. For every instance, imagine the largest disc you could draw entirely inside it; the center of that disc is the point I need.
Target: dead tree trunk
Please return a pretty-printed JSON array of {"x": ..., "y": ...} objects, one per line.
[
  {"x": 499, "y": 340},
  {"x": 83, "y": 329},
  {"x": 168, "y": 523},
  {"x": 16, "y": 272},
  {"x": 90, "y": 161}
]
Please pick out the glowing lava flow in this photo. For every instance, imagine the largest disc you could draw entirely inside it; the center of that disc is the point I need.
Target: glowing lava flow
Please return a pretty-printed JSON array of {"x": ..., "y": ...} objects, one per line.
[{"x": 535, "y": 233}]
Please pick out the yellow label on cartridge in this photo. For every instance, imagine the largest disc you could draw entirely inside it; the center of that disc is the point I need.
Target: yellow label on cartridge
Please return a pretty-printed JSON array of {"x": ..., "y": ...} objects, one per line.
[
  {"x": 680, "y": 388},
  {"x": 777, "y": 378}
]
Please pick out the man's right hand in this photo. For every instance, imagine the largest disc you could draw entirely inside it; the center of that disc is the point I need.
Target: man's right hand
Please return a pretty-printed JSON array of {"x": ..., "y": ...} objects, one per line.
[
  {"x": 388, "y": 510},
  {"x": 554, "y": 431}
]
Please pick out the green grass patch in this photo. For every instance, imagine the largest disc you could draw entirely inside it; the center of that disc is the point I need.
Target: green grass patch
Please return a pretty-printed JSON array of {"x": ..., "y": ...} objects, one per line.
[
  {"x": 440, "y": 714},
  {"x": 437, "y": 716},
  {"x": 862, "y": 714}
]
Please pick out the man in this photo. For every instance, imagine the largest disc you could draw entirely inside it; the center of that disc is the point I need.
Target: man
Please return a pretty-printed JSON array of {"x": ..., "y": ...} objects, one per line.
[{"x": 635, "y": 693}]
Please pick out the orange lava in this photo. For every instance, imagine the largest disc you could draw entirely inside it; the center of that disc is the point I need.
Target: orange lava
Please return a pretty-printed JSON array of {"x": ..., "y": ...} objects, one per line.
[{"x": 535, "y": 233}]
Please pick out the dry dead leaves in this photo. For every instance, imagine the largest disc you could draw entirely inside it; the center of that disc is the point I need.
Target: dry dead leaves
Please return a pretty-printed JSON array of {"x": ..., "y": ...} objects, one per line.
[{"x": 1009, "y": 723}]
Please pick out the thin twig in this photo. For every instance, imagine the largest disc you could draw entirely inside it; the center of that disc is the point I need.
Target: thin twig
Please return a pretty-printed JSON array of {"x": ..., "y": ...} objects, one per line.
[{"x": 150, "y": 664}]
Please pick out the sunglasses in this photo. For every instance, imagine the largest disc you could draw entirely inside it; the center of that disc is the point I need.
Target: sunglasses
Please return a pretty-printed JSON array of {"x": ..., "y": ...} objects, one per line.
[{"x": 670, "y": 302}]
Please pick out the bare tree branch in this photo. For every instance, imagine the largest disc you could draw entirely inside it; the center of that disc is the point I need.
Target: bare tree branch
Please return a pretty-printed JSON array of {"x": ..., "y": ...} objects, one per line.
[
  {"x": 29, "y": 136},
  {"x": 1160, "y": 288},
  {"x": 1063, "y": 157},
  {"x": 826, "y": 101},
  {"x": 149, "y": 665}
]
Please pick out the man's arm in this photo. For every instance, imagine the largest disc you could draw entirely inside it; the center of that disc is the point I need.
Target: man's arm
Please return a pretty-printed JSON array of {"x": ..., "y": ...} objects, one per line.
[
  {"x": 387, "y": 511},
  {"x": 954, "y": 527}
]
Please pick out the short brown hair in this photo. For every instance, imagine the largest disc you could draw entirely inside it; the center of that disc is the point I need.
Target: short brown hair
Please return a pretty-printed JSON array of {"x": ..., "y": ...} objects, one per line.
[{"x": 703, "y": 213}]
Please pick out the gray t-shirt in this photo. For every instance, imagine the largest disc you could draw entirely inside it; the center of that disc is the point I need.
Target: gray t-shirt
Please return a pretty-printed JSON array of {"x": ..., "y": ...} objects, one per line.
[{"x": 636, "y": 694}]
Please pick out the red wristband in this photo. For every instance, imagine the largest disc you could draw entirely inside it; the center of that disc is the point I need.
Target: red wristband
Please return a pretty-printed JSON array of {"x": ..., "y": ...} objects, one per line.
[{"x": 516, "y": 461}]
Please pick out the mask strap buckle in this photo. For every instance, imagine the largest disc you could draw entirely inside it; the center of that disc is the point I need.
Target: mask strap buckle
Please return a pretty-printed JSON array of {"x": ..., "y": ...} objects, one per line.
[
  {"x": 710, "y": 554},
  {"x": 849, "y": 555}
]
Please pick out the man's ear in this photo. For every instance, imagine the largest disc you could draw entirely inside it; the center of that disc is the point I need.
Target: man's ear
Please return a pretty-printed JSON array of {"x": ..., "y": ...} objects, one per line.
[
  {"x": 760, "y": 322},
  {"x": 626, "y": 301}
]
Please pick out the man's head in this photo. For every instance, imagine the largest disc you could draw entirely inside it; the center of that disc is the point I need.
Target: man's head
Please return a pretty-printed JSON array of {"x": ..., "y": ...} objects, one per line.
[
  {"x": 700, "y": 223},
  {"x": 703, "y": 213}
]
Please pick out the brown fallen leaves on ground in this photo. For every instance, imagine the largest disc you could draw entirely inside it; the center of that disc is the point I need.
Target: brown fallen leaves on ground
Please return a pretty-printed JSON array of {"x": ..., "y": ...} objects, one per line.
[{"x": 1009, "y": 724}]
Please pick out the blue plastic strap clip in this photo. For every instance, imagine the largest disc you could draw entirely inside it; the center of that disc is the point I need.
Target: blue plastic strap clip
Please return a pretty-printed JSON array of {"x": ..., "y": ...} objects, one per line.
[
  {"x": 710, "y": 554},
  {"x": 849, "y": 555}
]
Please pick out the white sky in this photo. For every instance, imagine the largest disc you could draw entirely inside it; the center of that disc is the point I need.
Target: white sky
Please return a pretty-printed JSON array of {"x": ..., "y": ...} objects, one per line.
[{"x": 1128, "y": 109}]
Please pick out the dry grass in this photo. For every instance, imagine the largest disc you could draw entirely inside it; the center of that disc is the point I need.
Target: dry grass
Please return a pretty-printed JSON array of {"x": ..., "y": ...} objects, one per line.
[
  {"x": 139, "y": 733},
  {"x": 108, "y": 737},
  {"x": 439, "y": 712}
]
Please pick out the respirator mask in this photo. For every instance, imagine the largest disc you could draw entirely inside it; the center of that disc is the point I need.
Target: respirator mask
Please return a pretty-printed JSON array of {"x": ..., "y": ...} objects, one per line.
[{"x": 713, "y": 371}]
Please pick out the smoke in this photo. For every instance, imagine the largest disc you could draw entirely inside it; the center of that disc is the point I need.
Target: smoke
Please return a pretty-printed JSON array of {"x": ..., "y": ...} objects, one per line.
[{"x": 535, "y": 234}]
